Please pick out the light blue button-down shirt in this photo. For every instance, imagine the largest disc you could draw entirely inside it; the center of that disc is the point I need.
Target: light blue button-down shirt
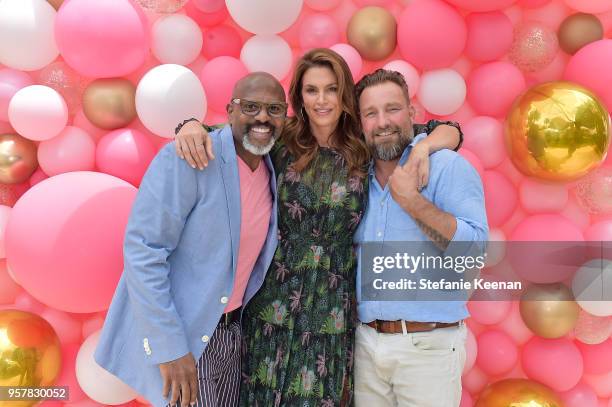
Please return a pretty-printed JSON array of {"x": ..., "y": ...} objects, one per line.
[{"x": 454, "y": 187}]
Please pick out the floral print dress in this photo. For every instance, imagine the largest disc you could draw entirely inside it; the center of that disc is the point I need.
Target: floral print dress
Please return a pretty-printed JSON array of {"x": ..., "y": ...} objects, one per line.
[{"x": 299, "y": 328}]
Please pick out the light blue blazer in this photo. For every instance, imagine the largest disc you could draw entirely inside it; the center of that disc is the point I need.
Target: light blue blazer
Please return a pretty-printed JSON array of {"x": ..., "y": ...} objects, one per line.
[{"x": 180, "y": 254}]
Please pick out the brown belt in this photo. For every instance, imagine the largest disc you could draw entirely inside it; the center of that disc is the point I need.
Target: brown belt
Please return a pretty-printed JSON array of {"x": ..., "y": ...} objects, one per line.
[{"x": 395, "y": 327}]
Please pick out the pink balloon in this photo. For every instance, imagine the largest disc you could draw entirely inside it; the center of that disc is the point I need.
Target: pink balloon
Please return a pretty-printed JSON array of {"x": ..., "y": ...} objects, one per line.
[
  {"x": 322, "y": 5},
  {"x": 541, "y": 197},
  {"x": 126, "y": 154},
  {"x": 556, "y": 363},
  {"x": 219, "y": 93},
  {"x": 209, "y": 6},
  {"x": 11, "y": 81},
  {"x": 64, "y": 239},
  {"x": 489, "y": 35},
  {"x": 9, "y": 289},
  {"x": 590, "y": 6},
  {"x": 409, "y": 72},
  {"x": 365, "y": 3},
  {"x": 500, "y": 197},
  {"x": 71, "y": 150},
  {"x": 532, "y": 3},
  {"x": 67, "y": 328},
  {"x": 580, "y": 396},
  {"x": 534, "y": 47},
  {"x": 475, "y": 380},
  {"x": 597, "y": 358},
  {"x": 441, "y": 31},
  {"x": 600, "y": 231},
  {"x": 318, "y": 31},
  {"x": 589, "y": 67},
  {"x": 466, "y": 399},
  {"x": 38, "y": 176},
  {"x": 471, "y": 351},
  {"x": 485, "y": 137},
  {"x": 95, "y": 48},
  {"x": 551, "y": 14},
  {"x": 5, "y": 213},
  {"x": 92, "y": 324},
  {"x": 484, "y": 82},
  {"x": 514, "y": 326},
  {"x": 601, "y": 384},
  {"x": 221, "y": 40},
  {"x": 482, "y": 5},
  {"x": 497, "y": 353},
  {"x": 206, "y": 19},
  {"x": 472, "y": 159},
  {"x": 489, "y": 312},
  {"x": 547, "y": 227},
  {"x": 352, "y": 58},
  {"x": 25, "y": 302}
]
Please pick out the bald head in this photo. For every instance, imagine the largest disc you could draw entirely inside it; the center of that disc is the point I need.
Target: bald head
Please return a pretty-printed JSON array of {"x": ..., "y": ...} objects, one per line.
[{"x": 257, "y": 83}]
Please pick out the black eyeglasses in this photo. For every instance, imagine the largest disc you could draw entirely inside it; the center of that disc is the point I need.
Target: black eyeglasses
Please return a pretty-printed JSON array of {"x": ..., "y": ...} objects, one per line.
[{"x": 251, "y": 108}]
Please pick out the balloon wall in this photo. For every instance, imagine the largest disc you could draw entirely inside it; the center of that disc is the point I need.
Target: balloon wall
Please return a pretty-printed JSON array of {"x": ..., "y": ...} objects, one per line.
[{"x": 85, "y": 104}]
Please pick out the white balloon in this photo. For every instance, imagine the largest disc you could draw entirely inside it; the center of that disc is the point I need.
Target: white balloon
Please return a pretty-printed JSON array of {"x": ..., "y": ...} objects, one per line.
[
  {"x": 264, "y": 16},
  {"x": 167, "y": 95},
  {"x": 442, "y": 91},
  {"x": 27, "y": 36},
  {"x": 97, "y": 383},
  {"x": 410, "y": 73},
  {"x": 38, "y": 112},
  {"x": 592, "y": 287},
  {"x": 268, "y": 53},
  {"x": 176, "y": 39}
]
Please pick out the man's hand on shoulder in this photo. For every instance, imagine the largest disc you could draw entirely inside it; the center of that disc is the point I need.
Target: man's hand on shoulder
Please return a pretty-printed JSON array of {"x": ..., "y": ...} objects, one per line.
[
  {"x": 181, "y": 377},
  {"x": 193, "y": 144}
]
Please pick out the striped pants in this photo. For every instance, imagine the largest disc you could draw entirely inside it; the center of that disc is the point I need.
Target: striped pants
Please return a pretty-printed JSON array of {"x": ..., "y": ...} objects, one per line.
[{"x": 219, "y": 369}]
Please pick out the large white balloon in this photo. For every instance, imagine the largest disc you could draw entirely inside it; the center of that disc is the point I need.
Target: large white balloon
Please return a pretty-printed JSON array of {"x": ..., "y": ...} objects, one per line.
[
  {"x": 442, "y": 91},
  {"x": 268, "y": 53},
  {"x": 177, "y": 39},
  {"x": 27, "y": 38},
  {"x": 97, "y": 383},
  {"x": 38, "y": 112},
  {"x": 592, "y": 287},
  {"x": 264, "y": 16},
  {"x": 167, "y": 95},
  {"x": 409, "y": 72}
]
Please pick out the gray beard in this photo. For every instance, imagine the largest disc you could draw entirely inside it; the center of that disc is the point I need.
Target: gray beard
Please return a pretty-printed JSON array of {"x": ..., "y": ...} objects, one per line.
[
  {"x": 390, "y": 152},
  {"x": 257, "y": 150}
]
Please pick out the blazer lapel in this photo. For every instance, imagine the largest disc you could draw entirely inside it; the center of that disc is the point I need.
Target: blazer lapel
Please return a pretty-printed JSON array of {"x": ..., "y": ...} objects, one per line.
[{"x": 231, "y": 182}]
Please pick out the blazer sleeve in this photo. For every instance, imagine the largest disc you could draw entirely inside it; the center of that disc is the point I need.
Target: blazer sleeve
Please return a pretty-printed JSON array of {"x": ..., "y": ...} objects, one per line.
[{"x": 167, "y": 194}]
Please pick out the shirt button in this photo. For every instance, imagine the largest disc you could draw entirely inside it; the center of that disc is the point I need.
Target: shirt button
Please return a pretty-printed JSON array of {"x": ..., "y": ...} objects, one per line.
[
  {"x": 379, "y": 234},
  {"x": 382, "y": 203},
  {"x": 148, "y": 352},
  {"x": 205, "y": 338},
  {"x": 224, "y": 300}
]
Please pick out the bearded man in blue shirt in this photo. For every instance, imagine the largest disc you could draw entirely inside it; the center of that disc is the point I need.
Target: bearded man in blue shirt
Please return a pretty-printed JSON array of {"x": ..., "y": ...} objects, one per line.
[{"x": 411, "y": 353}]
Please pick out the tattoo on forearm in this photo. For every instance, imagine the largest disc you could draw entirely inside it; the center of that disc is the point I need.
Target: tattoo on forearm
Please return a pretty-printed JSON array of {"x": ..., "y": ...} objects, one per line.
[{"x": 436, "y": 237}]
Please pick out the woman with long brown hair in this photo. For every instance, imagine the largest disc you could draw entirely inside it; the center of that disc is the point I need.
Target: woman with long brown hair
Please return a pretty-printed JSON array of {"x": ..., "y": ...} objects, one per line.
[{"x": 299, "y": 328}]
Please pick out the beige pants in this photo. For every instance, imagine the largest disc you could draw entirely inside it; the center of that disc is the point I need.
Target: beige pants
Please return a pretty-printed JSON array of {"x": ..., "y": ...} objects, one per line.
[{"x": 420, "y": 369}]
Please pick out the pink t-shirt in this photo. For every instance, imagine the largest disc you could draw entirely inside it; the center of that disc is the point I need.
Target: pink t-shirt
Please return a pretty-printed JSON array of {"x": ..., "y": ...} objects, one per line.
[{"x": 255, "y": 211}]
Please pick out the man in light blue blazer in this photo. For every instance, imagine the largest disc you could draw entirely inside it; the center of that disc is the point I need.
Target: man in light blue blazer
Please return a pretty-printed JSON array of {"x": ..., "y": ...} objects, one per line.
[{"x": 186, "y": 260}]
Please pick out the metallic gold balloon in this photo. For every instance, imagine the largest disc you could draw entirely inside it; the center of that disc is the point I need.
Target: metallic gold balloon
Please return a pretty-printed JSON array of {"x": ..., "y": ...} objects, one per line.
[
  {"x": 17, "y": 159},
  {"x": 557, "y": 131},
  {"x": 549, "y": 310},
  {"x": 373, "y": 32},
  {"x": 578, "y": 30},
  {"x": 110, "y": 103},
  {"x": 518, "y": 393},
  {"x": 30, "y": 353}
]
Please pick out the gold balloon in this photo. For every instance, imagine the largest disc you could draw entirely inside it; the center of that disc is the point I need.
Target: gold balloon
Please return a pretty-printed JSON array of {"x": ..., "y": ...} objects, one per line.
[
  {"x": 110, "y": 103},
  {"x": 518, "y": 393},
  {"x": 17, "y": 159},
  {"x": 557, "y": 131},
  {"x": 30, "y": 353},
  {"x": 578, "y": 30},
  {"x": 56, "y": 3},
  {"x": 549, "y": 310},
  {"x": 373, "y": 32}
]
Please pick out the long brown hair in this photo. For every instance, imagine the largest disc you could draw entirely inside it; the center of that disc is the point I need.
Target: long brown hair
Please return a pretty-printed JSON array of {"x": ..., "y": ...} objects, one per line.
[{"x": 346, "y": 138}]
